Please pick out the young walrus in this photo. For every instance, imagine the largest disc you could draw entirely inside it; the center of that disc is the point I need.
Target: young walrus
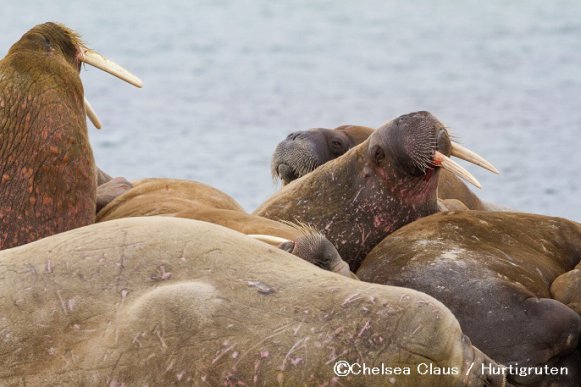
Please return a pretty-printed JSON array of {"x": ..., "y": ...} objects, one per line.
[
  {"x": 194, "y": 200},
  {"x": 47, "y": 170},
  {"x": 387, "y": 181}
]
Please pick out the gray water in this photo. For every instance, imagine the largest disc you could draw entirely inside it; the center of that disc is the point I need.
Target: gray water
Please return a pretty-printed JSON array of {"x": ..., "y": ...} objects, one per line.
[{"x": 226, "y": 80}]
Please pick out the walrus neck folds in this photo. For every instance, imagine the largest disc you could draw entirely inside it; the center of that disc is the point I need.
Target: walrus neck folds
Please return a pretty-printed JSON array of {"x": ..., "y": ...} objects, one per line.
[{"x": 47, "y": 166}]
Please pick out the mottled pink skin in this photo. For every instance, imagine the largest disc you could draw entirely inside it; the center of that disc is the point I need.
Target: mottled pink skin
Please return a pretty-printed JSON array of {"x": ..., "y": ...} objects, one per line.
[
  {"x": 47, "y": 170},
  {"x": 357, "y": 200}
]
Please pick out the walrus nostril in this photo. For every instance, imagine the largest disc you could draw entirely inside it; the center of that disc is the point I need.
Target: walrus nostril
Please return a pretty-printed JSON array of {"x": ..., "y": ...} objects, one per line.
[{"x": 296, "y": 135}]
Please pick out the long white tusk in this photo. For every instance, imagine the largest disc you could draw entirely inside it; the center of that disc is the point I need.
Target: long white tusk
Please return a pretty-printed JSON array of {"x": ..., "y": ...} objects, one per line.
[
  {"x": 268, "y": 238},
  {"x": 92, "y": 115},
  {"x": 464, "y": 153},
  {"x": 99, "y": 61},
  {"x": 446, "y": 163}
]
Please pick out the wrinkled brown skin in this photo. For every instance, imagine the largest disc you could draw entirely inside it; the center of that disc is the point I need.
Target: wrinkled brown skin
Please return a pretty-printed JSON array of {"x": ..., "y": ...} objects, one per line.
[
  {"x": 160, "y": 301},
  {"x": 46, "y": 164},
  {"x": 303, "y": 151},
  {"x": 497, "y": 272},
  {"x": 359, "y": 198},
  {"x": 194, "y": 200}
]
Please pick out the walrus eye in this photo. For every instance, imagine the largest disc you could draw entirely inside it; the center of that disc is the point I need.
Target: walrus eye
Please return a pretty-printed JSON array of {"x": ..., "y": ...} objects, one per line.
[
  {"x": 378, "y": 154},
  {"x": 337, "y": 147},
  {"x": 47, "y": 44}
]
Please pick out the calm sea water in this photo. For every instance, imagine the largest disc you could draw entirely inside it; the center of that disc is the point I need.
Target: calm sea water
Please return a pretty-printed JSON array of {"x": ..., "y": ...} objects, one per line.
[{"x": 225, "y": 80}]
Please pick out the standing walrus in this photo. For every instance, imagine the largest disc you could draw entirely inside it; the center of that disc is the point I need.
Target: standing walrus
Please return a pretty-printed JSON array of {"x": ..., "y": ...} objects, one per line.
[
  {"x": 47, "y": 170},
  {"x": 387, "y": 181}
]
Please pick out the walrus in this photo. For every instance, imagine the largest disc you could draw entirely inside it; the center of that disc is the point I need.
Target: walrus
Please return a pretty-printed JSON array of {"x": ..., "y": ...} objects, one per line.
[
  {"x": 194, "y": 200},
  {"x": 496, "y": 272},
  {"x": 305, "y": 150},
  {"x": 162, "y": 301},
  {"x": 47, "y": 167},
  {"x": 375, "y": 188}
]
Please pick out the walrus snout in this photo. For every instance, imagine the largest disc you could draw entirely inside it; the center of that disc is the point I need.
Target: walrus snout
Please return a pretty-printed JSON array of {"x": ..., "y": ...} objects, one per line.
[
  {"x": 408, "y": 143},
  {"x": 417, "y": 143},
  {"x": 296, "y": 156},
  {"x": 305, "y": 150},
  {"x": 286, "y": 173}
]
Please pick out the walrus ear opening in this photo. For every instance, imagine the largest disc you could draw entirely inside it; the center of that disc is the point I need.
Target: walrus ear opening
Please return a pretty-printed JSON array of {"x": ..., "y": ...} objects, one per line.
[{"x": 378, "y": 154}]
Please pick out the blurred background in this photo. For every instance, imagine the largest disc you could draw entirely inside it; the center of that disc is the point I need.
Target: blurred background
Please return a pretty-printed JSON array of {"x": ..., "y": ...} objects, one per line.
[{"x": 226, "y": 80}]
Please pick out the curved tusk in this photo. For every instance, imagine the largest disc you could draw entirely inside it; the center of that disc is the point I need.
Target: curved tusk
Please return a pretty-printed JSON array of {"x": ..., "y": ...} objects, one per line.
[
  {"x": 95, "y": 59},
  {"x": 464, "y": 153},
  {"x": 268, "y": 238},
  {"x": 91, "y": 114},
  {"x": 450, "y": 165}
]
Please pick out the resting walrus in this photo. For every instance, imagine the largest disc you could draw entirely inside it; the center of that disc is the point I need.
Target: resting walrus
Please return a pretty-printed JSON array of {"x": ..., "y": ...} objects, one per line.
[
  {"x": 375, "y": 188},
  {"x": 194, "y": 200},
  {"x": 47, "y": 168},
  {"x": 304, "y": 151},
  {"x": 160, "y": 301},
  {"x": 496, "y": 271}
]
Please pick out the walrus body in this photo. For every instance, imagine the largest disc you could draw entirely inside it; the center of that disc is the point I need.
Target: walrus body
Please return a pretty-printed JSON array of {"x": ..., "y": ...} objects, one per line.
[
  {"x": 497, "y": 272},
  {"x": 47, "y": 166},
  {"x": 359, "y": 198},
  {"x": 194, "y": 200},
  {"x": 163, "y": 301},
  {"x": 304, "y": 151},
  {"x": 47, "y": 171}
]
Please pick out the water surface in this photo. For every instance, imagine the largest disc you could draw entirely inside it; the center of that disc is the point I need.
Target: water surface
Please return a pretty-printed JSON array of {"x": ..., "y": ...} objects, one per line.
[{"x": 226, "y": 80}]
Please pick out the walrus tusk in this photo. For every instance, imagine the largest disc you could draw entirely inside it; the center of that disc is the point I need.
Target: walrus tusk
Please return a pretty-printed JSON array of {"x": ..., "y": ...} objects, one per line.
[
  {"x": 446, "y": 163},
  {"x": 95, "y": 59},
  {"x": 268, "y": 238},
  {"x": 464, "y": 153},
  {"x": 91, "y": 114}
]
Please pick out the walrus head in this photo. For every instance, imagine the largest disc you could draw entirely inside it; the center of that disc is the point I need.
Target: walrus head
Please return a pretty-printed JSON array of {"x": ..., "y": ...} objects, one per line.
[
  {"x": 304, "y": 151},
  {"x": 47, "y": 168},
  {"x": 387, "y": 181},
  {"x": 313, "y": 247},
  {"x": 413, "y": 146}
]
